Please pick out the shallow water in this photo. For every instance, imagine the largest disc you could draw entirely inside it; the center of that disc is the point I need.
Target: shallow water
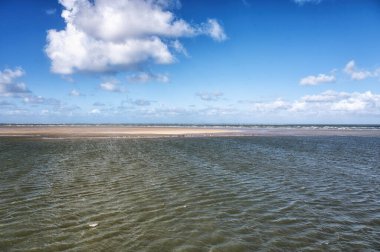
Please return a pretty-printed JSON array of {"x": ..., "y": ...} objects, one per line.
[{"x": 193, "y": 194}]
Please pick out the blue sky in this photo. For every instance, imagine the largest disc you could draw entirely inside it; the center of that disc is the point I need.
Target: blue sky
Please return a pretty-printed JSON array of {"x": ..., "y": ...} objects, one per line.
[{"x": 162, "y": 61}]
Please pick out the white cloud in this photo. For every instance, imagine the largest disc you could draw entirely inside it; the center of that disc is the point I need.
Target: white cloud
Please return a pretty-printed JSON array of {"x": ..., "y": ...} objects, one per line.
[
  {"x": 75, "y": 92},
  {"x": 110, "y": 86},
  {"x": 144, "y": 77},
  {"x": 8, "y": 84},
  {"x": 140, "y": 102},
  {"x": 16, "y": 111},
  {"x": 95, "y": 111},
  {"x": 215, "y": 30},
  {"x": 209, "y": 96},
  {"x": 327, "y": 96},
  {"x": 328, "y": 102},
  {"x": 8, "y": 75},
  {"x": 358, "y": 74},
  {"x": 178, "y": 47},
  {"x": 9, "y": 87},
  {"x": 72, "y": 50},
  {"x": 350, "y": 69},
  {"x": 302, "y": 2},
  {"x": 37, "y": 100},
  {"x": 276, "y": 105},
  {"x": 365, "y": 103},
  {"x": 312, "y": 80},
  {"x": 216, "y": 111},
  {"x": 104, "y": 35}
]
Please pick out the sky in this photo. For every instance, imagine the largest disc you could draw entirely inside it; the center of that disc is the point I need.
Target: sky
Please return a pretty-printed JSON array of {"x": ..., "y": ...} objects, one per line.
[{"x": 183, "y": 61}]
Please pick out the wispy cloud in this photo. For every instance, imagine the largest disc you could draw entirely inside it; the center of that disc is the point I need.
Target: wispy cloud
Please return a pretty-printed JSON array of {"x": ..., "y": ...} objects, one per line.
[
  {"x": 137, "y": 102},
  {"x": 137, "y": 32},
  {"x": 215, "y": 30},
  {"x": 144, "y": 77},
  {"x": 359, "y": 74},
  {"x": 38, "y": 100},
  {"x": 350, "y": 69},
  {"x": 329, "y": 104},
  {"x": 313, "y": 80},
  {"x": 98, "y": 104},
  {"x": 12, "y": 89},
  {"x": 9, "y": 86},
  {"x": 178, "y": 47},
  {"x": 111, "y": 86},
  {"x": 266, "y": 107},
  {"x": 95, "y": 111},
  {"x": 75, "y": 92},
  {"x": 209, "y": 96}
]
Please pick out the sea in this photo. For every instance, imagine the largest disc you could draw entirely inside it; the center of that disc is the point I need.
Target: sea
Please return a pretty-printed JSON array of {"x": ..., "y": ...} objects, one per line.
[{"x": 241, "y": 193}]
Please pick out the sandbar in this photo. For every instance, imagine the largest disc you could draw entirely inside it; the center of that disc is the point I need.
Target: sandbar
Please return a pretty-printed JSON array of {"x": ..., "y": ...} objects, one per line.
[
  {"x": 110, "y": 131},
  {"x": 123, "y": 131}
]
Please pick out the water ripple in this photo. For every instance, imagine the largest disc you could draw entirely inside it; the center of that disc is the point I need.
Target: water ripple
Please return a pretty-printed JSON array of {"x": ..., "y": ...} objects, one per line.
[{"x": 208, "y": 194}]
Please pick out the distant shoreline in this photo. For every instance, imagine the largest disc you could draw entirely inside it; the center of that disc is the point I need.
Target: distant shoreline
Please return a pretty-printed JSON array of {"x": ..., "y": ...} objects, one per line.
[
  {"x": 129, "y": 131},
  {"x": 109, "y": 131}
]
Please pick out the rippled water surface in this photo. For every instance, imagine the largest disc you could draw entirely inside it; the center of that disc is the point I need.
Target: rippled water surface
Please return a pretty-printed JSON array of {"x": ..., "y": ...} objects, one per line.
[{"x": 194, "y": 194}]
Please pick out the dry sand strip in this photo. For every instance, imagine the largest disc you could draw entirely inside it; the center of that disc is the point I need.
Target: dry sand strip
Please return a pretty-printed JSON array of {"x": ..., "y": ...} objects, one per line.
[
  {"x": 112, "y": 131},
  {"x": 89, "y": 131}
]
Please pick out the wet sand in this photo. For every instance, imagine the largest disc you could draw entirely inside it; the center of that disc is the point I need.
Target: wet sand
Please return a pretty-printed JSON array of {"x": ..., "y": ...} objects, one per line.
[{"x": 105, "y": 131}]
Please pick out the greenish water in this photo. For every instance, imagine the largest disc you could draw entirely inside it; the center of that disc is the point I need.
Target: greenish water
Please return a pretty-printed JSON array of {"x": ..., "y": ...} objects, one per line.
[{"x": 194, "y": 194}]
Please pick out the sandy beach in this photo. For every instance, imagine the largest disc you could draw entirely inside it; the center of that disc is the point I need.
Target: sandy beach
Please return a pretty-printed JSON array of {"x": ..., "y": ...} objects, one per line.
[
  {"x": 116, "y": 131},
  {"x": 111, "y": 131}
]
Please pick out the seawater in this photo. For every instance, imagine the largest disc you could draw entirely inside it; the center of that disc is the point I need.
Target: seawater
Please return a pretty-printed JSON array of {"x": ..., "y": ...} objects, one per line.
[{"x": 192, "y": 194}]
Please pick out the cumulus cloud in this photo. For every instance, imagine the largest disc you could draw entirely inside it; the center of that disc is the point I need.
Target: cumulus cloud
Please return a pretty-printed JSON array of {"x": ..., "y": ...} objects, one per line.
[
  {"x": 8, "y": 75},
  {"x": 104, "y": 35},
  {"x": 209, "y": 96},
  {"x": 312, "y": 80},
  {"x": 111, "y": 86},
  {"x": 350, "y": 69},
  {"x": 328, "y": 102},
  {"x": 332, "y": 101},
  {"x": 144, "y": 77},
  {"x": 9, "y": 86},
  {"x": 358, "y": 74}
]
